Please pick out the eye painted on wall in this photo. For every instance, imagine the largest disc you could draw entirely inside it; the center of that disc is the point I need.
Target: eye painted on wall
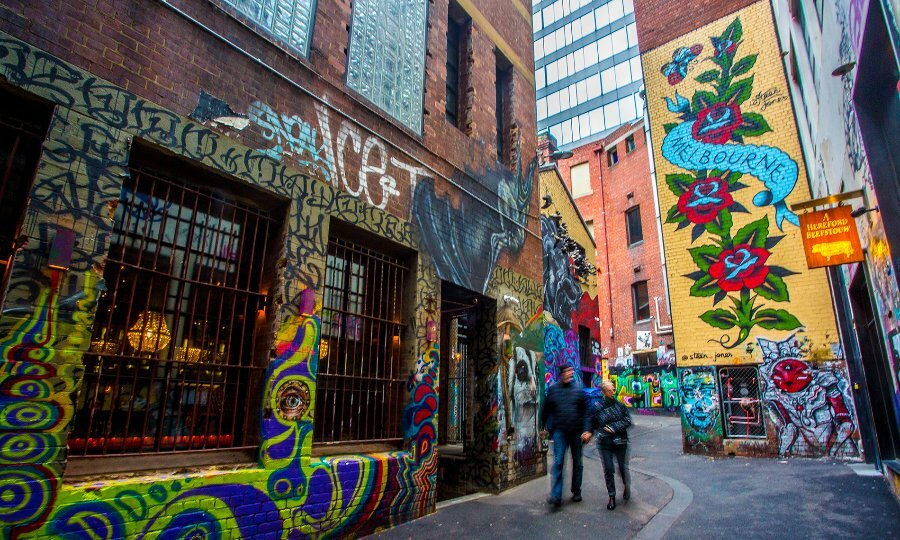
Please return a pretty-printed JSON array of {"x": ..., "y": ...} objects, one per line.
[{"x": 293, "y": 400}]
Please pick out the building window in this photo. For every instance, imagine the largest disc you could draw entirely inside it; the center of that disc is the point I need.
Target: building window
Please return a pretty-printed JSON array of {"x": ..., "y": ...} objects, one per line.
[
  {"x": 629, "y": 144},
  {"x": 360, "y": 387},
  {"x": 176, "y": 362},
  {"x": 457, "y": 67},
  {"x": 741, "y": 406},
  {"x": 640, "y": 300},
  {"x": 288, "y": 21},
  {"x": 503, "y": 109},
  {"x": 633, "y": 225},
  {"x": 612, "y": 156},
  {"x": 581, "y": 180},
  {"x": 386, "y": 57},
  {"x": 23, "y": 126}
]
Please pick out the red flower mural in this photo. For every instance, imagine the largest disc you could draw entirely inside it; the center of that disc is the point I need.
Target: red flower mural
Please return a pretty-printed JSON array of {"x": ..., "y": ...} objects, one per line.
[
  {"x": 743, "y": 267},
  {"x": 704, "y": 199},
  {"x": 716, "y": 123}
]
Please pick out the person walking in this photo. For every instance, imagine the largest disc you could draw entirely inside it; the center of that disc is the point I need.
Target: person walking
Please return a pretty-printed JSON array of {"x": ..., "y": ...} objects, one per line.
[
  {"x": 565, "y": 416},
  {"x": 611, "y": 420}
]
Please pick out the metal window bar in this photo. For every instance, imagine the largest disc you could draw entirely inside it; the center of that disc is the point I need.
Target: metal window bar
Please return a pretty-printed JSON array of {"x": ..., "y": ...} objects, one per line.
[
  {"x": 171, "y": 366},
  {"x": 457, "y": 377},
  {"x": 20, "y": 149},
  {"x": 360, "y": 383},
  {"x": 741, "y": 405}
]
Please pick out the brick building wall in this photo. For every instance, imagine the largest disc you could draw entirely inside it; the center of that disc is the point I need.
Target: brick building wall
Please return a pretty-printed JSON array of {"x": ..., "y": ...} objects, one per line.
[
  {"x": 754, "y": 327},
  {"x": 244, "y": 113},
  {"x": 615, "y": 189}
]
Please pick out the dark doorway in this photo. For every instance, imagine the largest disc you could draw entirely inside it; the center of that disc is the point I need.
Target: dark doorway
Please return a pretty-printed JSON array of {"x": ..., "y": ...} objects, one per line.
[
  {"x": 468, "y": 349},
  {"x": 877, "y": 373}
]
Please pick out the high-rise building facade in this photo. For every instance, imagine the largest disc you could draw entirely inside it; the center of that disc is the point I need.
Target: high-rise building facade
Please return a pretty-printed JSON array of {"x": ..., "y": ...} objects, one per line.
[{"x": 587, "y": 68}]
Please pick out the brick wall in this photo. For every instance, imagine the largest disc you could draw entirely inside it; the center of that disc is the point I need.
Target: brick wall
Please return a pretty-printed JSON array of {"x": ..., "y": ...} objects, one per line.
[
  {"x": 616, "y": 260},
  {"x": 660, "y": 21},
  {"x": 120, "y": 73},
  {"x": 729, "y": 166}
]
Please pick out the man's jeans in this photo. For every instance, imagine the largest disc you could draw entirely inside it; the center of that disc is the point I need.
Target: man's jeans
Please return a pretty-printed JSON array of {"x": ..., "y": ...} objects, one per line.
[{"x": 561, "y": 441}]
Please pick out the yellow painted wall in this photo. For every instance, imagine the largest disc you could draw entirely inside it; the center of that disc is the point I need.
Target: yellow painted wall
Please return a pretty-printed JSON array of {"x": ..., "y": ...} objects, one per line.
[{"x": 754, "y": 99}]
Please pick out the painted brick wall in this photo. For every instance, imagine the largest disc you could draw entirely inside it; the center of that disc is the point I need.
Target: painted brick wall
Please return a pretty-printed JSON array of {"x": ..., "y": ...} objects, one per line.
[
  {"x": 729, "y": 166},
  {"x": 116, "y": 73}
]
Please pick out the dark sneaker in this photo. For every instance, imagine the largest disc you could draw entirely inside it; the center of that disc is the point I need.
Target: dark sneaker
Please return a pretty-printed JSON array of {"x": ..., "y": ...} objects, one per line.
[
  {"x": 612, "y": 504},
  {"x": 576, "y": 497},
  {"x": 555, "y": 503}
]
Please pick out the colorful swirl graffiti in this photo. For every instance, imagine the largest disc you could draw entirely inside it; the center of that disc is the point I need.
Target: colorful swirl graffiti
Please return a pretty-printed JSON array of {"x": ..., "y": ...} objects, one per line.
[
  {"x": 289, "y": 495},
  {"x": 646, "y": 387}
]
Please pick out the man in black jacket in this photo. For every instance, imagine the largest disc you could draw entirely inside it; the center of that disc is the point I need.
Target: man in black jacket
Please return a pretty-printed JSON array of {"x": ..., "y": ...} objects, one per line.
[
  {"x": 611, "y": 420},
  {"x": 565, "y": 416}
]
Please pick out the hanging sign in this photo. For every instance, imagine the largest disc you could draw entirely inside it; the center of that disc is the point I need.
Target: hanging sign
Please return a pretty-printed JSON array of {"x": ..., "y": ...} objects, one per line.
[{"x": 830, "y": 237}]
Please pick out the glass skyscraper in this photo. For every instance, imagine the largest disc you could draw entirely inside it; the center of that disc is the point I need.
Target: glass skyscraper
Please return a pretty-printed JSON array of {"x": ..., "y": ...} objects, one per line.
[{"x": 587, "y": 68}]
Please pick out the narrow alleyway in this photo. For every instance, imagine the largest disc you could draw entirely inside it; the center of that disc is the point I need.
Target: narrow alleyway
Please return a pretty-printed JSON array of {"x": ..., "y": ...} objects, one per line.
[{"x": 682, "y": 496}]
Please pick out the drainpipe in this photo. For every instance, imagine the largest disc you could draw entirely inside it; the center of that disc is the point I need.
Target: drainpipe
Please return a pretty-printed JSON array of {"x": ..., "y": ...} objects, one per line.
[
  {"x": 597, "y": 153},
  {"x": 659, "y": 328},
  {"x": 659, "y": 234}
]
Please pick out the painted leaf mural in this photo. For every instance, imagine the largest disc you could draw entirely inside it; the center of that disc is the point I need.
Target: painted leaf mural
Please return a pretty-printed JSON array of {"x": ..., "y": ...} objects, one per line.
[{"x": 712, "y": 143}]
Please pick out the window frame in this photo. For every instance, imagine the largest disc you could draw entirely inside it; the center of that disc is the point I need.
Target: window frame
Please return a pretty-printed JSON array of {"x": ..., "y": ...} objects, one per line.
[
  {"x": 630, "y": 144},
  {"x": 583, "y": 166},
  {"x": 637, "y": 307},
  {"x": 193, "y": 394},
  {"x": 612, "y": 156},
  {"x": 629, "y": 226}
]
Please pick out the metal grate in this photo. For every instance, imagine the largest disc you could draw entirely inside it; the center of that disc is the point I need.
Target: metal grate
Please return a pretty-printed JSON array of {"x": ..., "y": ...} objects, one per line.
[
  {"x": 360, "y": 384},
  {"x": 741, "y": 406},
  {"x": 456, "y": 383},
  {"x": 172, "y": 365},
  {"x": 23, "y": 126}
]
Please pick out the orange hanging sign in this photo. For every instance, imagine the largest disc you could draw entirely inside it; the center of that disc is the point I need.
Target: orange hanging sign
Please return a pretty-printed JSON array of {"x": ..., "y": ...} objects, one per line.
[{"x": 830, "y": 237}]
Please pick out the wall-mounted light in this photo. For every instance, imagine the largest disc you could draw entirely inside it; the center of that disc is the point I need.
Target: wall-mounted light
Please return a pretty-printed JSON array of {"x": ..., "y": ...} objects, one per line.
[
  {"x": 862, "y": 210},
  {"x": 843, "y": 69}
]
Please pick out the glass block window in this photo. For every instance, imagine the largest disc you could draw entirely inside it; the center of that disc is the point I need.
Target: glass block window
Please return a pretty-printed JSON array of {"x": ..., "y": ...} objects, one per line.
[
  {"x": 289, "y": 21},
  {"x": 386, "y": 58}
]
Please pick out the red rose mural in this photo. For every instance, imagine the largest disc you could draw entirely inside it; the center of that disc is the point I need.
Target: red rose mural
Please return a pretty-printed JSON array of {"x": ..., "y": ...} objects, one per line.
[
  {"x": 715, "y": 124},
  {"x": 743, "y": 267},
  {"x": 704, "y": 199}
]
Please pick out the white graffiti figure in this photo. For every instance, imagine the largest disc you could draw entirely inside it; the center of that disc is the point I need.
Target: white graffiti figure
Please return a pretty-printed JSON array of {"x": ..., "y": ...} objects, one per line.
[
  {"x": 521, "y": 383},
  {"x": 808, "y": 402}
]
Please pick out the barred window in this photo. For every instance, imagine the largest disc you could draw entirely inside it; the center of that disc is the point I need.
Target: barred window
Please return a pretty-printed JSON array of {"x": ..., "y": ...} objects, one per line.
[
  {"x": 741, "y": 406},
  {"x": 176, "y": 363},
  {"x": 361, "y": 383}
]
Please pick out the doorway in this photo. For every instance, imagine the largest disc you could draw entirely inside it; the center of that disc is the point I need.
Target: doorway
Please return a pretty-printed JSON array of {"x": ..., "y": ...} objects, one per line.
[
  {"x": 877, "y": 373},
  {"x": 468, "y": 354}
]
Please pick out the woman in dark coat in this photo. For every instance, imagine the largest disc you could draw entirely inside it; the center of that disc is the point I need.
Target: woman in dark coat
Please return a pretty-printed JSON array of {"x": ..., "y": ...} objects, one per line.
[{"x": 610, "y": 419}]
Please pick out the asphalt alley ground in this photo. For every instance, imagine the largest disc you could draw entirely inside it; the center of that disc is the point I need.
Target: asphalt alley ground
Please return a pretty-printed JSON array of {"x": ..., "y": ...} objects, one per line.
[{"x": 677, "y": 496}]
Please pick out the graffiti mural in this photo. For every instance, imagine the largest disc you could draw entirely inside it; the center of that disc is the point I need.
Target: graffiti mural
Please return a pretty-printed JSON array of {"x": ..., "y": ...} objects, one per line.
[
  {"x": 646, "y": 387},
  {"x": 700, "y": 413},
  {"x": 288, "y": 494},
  {"x": 811, "y": 404},
  {"x": 562, "y": 290},
  {"x": 464, "y": 255},
  {"x": 729, "y": 167}
]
